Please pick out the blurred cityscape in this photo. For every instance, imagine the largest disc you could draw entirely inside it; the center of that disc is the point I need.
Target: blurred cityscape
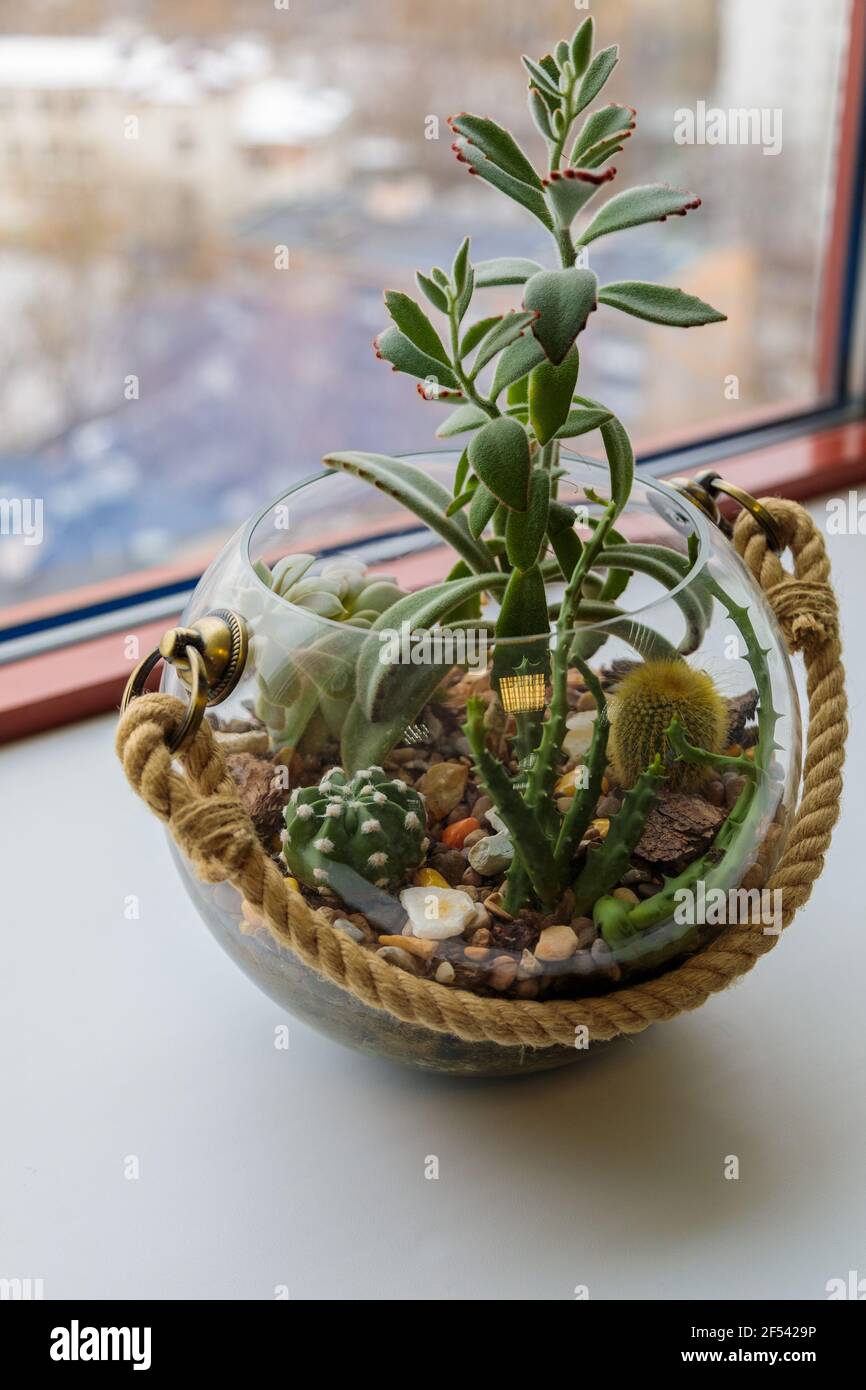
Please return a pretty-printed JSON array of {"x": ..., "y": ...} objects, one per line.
[{"x": 163, "y": 374}]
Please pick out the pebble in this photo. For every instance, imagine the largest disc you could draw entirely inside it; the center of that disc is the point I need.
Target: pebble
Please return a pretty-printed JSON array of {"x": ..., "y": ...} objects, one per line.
[
  {"x": 424, "y": 949},
  {"x": 586, "y": 701},
  {"x": 482, "y": 917},
  {"x": 563, "y": 804},
  {"x": 491, "y": 855},
  {"x": 733, "y": 787},
  {"x": 429, "y": 878},
  {"x": 633, "y": 876},
  {"x": 253, "y": 741},
  {"x": 481, "y": 806},
  {"x": 601, "y": 826},
  {"x": 585, "y": 930},
  {"x": 472, "y": 879},
  {"x": 527, "y": 989},
  {"x": 567, "y": 783},
  {"x": 476, "y": 953},
  {"x": 608, "y": 806},
  {"x": 481, "y": 937},
  {"x": 494, "y": 905},
  {"x": 442, "y": 787},
  {"x": 445, "y": 973},
  {"x": 556, "y": 943},
  {"x": 454, "y": 910},
  {"x": 528, "y": 967},
  {"x": 647, "y": 890},
  {"x": 493, "y": 818},
  {"x": 347, "y": 928},
  {"x": 579, "y": 735},
  {"x": 474, "y": 837},
  {"x": 503, "y": 972},
  {"x": 449, "y": 863},
  {"x": 460, "y": 812},
  {"x": 714, "y": 791},
  {"x": 396, "y": 955},
  {"x": 454, "y": 835},
  {"x": 625, "y": 895}
]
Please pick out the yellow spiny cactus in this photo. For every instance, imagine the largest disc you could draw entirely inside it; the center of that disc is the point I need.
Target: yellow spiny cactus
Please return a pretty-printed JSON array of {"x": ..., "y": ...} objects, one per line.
[{"x": 643, "y": 706}]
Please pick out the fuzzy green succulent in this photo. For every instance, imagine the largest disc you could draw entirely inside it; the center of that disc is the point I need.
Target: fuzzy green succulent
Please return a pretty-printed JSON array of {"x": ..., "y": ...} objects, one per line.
[
  {"x": 646, "y": 701},
  {"x": 370, "y": 823}
]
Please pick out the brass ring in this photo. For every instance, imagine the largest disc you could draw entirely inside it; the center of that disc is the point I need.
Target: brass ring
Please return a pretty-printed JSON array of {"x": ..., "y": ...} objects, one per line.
[
  {"x": 755, "y": 508},
  {"x": 191, "y": 722}
]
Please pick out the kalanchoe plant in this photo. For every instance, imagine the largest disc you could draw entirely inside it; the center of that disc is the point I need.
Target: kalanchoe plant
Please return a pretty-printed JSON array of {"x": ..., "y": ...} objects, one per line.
[{"x": 510, "y": 382}]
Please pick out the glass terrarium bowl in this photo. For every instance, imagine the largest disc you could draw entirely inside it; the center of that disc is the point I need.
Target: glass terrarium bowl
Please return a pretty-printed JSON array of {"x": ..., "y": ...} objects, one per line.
[{"x": 321, "y": 691}]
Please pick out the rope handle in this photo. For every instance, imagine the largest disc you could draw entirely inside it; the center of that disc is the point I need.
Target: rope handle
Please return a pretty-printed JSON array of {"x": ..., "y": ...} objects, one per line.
[{"x": 214, "y": 831}]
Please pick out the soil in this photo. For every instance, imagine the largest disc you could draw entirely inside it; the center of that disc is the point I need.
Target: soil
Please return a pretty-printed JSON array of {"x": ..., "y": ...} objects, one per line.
[{"x": 534, "y": 955}]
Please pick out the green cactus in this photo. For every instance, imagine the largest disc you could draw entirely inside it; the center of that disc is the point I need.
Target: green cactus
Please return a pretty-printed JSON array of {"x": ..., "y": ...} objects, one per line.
[
  {"x": 371, "y": 823},
  {"x": 605, "y": 865},
  {"x": 641, "y": 711}
]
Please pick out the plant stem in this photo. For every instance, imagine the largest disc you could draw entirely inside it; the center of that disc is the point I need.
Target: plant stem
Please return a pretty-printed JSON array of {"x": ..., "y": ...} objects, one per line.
[{"x": 467, "y": 385}]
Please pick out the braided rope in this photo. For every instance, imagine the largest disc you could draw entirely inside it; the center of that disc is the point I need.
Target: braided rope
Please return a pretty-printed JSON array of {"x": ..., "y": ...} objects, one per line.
[{"x": 214, "y": 831}]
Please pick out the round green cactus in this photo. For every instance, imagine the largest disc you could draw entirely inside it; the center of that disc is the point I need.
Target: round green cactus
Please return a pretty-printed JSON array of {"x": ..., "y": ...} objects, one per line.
[
  {"x": 646, "y": 701},
  {"x": 371, "y": 823}
]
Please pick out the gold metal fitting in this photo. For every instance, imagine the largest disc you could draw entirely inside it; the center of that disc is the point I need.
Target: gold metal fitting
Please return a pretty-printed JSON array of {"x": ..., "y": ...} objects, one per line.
[
  {"x": 703, "y": 491},
  {"x": 209, "y": 658}
]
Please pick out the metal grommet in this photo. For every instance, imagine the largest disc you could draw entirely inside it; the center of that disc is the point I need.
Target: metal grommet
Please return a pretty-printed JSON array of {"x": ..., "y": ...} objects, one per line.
[
  {"x": 209, "y": 658},
  {"x": 703, "y": 490}
]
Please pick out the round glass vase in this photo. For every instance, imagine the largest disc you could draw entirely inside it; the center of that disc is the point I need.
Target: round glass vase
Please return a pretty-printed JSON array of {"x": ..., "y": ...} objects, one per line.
[{"x": 325, "y": 689}]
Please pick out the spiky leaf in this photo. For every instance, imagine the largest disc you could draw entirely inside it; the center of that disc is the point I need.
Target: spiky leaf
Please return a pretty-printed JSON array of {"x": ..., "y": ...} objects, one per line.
[
  {"x": 434, "y": 292},
  {"x": 414, "y": 324},
  {"x": 569, "y": 190},
  {"x": 496, "y": 144},
  {"x": 526, "y": 194},
  {"x": 595, "y": 76},
  {"x": 652, "y": 202},
  {"x": 612, "y": 122},
  {"x": 394, "y": 347}
]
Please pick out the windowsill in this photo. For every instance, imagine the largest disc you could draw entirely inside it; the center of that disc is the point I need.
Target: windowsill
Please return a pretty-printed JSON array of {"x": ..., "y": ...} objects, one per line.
[{"x": 74, "y": 682}]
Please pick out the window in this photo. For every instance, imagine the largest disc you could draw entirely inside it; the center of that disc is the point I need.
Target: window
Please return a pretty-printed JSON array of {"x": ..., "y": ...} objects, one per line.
[{"x": 162, "y": 375}]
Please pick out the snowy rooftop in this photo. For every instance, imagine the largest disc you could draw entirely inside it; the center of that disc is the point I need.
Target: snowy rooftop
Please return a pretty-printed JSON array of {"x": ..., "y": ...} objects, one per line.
[{"x": 277, "y": 112}]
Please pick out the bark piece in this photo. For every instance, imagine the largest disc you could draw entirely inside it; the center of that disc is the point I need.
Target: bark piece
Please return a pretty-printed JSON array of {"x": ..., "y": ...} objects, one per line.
[
  {"x": 680, "y": 826},
  {"x": 263, "y": 797}
]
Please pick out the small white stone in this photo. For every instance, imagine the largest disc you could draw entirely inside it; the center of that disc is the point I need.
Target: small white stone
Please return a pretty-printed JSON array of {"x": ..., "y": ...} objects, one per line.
[
  {"x": 437, "y": 913},
  {"x": 445, "y": 973},
  {"x": 370, "y": 827},
  {"x": 580, "y": 729},
  {"x": 493, "y": 818}
]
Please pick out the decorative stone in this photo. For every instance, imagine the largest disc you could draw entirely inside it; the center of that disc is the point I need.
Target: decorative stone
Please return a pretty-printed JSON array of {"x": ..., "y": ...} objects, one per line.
[
  {"x": 445, "y": 973},
  {"x": 429, "y": 878},
  {"x": 492, "y": 855},
  {"x": 556, "y": 943},
  {"x": 495, "y": 820},
  {"x": 448, "y": 863},
  {"x": 579, "y": 736},
  {"x": 396, "y": 955},
  {"x": 342, "y": 924},
  {"x": 437, "y": 913},
  {"x": 454, "y": 835},
  {"x": 503, "y": 972},
  {"x": 442, "y": 787},
  {"x": 415, "y": 947},
  {"x": 528, "y": 967}
]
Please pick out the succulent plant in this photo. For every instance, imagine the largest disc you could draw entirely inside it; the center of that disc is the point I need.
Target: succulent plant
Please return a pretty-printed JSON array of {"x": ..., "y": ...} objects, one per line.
[
  {"x": 511, "y": 382},
  {"x": 314, "y": 689},
  {"x": 641, "y": 709},
  {"x": 370, "y": 823}
]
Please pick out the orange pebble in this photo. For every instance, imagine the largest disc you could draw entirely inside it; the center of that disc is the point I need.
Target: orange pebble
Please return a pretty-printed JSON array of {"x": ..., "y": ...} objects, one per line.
[{"x": 454, "y": 835}]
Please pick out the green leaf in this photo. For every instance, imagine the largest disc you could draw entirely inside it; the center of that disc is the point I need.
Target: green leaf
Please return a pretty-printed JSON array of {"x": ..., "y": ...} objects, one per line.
[
  {"x": 394, "y": 347},
  {"x": 525, "y": 194},
  {"x": 460, "y": 268},
  {"x": 517, "y": 395},
  {"x": 459, "y": 502},
  {"x": 475, "y": 332},
  {"x": 510, "y": 327},
  {"x": 569, "y": 190},
  {"x": 497, "y": 145},
  {"x": 465, "y": 417},
  {"x": 414, "y": 324},
  {"x": 595, "y": 76},
  {"x": 516, "y": 361},
  {"x": 540, "y": 113},
  {"x": 541, "y": 78},
  {"x": 461, "y": 473},
  {"x": 420, "y": 494},
  {"x": 481, "y": 509},
  {"x": 379, "y": 682},
  {"x": 564, "y": 299},
  {"x": 523, "y": 614},
  {"x": 581, "y": 45},
  {"x": 436, "y": 296},
  {"x": 620, "y": 461},
  {"x": 550, "y": 391},
  {"x": 652, "y": 202},
  {"x": 499, "y": 455},
  {"x": 581, "y": 421},
  {"x": 612, "y": 122},
  {"x": 595, "y": 157},
  {"x": 464, "y": 298},
  {"x": 504, "y": 270},
  {"x": 525, "y": 531},
  {"x": 659, "y": 304}
]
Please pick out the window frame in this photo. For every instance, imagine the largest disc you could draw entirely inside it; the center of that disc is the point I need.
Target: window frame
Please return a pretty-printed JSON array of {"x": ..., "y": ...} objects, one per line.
[{"x": 62, "y": 661}]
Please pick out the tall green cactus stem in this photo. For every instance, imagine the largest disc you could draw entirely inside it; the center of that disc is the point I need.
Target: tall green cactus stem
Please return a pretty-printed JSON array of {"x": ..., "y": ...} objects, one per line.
[
  {"x": 583, "y": 803},
  {"x": 606, "y": 865},
  {"x": 725, "y": 861},
  {"x": 528, "y": 838},
  {"x": 371, "y": 823}
]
